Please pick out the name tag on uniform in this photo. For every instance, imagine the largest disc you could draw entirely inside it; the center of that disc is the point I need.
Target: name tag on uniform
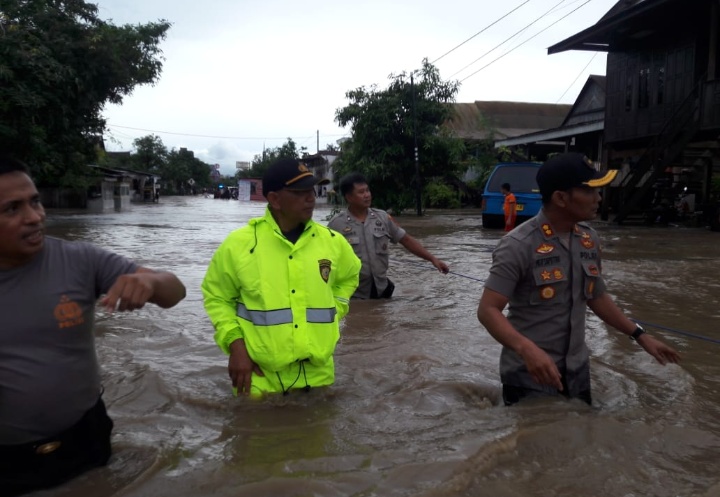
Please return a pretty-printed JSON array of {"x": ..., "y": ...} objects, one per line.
[{"x": 353, "y": 240}]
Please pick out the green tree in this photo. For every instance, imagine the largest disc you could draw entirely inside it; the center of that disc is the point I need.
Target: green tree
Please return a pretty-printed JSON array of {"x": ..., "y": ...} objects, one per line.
[
  {"x": 181, "y": 167},
  {"x": 175, "y": 167},
  {"x": 59, "y": 65},
  {"x": 261, "y": 162},
  {"x": 382, "y": 146},
  {"x": 151, "y": 155}
]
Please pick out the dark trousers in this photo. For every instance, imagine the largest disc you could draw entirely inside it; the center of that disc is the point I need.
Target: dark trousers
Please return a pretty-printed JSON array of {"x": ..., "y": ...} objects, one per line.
[
  {"x": 55, "y": 460},
  {"x": 386, "y": 294},
  {"x": 513, "y": 395}
]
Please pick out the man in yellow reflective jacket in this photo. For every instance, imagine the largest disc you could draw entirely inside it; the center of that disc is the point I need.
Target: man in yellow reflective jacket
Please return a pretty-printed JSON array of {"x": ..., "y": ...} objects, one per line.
[{"x": 277, "y": 288}]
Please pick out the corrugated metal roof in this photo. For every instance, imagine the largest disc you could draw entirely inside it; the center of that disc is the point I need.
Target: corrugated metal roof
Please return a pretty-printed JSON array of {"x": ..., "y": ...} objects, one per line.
[{"x": 479, "y": 119}]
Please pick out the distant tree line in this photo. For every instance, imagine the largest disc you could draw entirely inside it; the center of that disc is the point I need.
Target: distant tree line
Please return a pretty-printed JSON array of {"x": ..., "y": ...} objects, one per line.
[
  {"x": 262, "y": 161},
  {"x": 175, "y": 167}
]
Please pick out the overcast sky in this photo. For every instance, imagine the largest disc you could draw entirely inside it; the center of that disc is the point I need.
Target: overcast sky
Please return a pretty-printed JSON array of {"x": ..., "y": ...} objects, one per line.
[{"x": 242, "y": 74}]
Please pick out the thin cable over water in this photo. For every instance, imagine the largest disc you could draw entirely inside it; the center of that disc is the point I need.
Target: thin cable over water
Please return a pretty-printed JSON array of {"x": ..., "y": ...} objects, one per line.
[{"x": 643, "y": 323}]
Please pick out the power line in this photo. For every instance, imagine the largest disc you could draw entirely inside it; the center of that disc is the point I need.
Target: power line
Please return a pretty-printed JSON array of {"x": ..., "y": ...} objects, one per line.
[
  {"x": 509, "y": 38},
  {"x": 524, "y": 42},
  {"x": 209, "y": 136},
  {"x": 481, "y": 31},
  {"x": 576, "y": 78}
]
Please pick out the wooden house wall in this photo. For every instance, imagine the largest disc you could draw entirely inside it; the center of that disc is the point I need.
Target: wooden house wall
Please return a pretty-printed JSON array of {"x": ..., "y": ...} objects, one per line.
[{"x": 645, "y": 88}]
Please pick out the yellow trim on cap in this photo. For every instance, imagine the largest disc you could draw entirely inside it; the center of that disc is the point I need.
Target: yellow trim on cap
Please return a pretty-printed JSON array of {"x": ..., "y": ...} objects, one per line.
[
  {"x": 609, "y": 176},
  {"x": 298, "y": 178}
]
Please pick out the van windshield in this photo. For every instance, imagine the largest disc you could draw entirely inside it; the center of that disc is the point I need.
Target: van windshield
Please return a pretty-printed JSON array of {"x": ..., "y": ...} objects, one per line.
[{"x": 521, "y": 179}]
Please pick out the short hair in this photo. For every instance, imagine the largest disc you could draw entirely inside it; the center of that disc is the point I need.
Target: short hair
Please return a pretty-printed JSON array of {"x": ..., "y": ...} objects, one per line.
[
  {"x": 348, "y": 182},
  {"x": 505, "y": 186},
  {"x": 10, "y": 164}
]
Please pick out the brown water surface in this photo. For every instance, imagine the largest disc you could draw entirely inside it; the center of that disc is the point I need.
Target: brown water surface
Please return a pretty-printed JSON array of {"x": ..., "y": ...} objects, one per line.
[{"x": 415, "y": 408}]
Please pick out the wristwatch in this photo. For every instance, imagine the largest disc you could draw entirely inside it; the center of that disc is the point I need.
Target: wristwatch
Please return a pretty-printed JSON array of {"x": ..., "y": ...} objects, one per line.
[{"x": 639, "y": 330}]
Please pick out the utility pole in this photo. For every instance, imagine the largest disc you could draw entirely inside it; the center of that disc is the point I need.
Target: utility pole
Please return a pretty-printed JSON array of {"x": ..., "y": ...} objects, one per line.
[
  {"x": 418, "y": 186},
  {"x": 318, "y": 141}
]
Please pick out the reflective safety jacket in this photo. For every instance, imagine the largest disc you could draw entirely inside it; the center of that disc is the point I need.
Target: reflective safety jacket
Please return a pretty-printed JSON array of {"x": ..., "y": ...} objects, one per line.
[{"x": 285, "y": 300}]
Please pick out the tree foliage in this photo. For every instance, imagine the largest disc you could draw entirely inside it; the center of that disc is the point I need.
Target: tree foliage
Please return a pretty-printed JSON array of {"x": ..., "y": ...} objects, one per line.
[
  {"x": 151, "y": 154},
  {"x": 261, "y": 162},
  {"x": 175, "y": 167},
  {"x": 59, "y": 65},
  {"x": 384, "y": 127}
]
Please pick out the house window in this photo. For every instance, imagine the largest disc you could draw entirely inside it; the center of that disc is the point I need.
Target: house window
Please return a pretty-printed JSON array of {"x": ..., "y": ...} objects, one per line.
[
  {"x": 628, "y": 94},
  {"x": 660, "y": 85},
  {"x": 643, "y": 88}
]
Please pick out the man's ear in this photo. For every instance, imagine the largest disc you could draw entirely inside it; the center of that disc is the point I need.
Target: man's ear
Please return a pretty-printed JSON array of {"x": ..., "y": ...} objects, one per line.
[
  {"x": 558, "y": 199},
  {"x": 273, "y": 199}
]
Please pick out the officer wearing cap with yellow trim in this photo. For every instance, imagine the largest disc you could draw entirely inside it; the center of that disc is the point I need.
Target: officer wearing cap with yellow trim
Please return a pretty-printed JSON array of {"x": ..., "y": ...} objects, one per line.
[
  {"x": 277, "y": 288},
  {"x": 548, "y": 271}
]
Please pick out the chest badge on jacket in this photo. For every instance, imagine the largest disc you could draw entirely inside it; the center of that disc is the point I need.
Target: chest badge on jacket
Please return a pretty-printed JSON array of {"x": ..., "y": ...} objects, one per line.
[
  {"x": 324, "y": 265},
  {"x": 544, "y": 248}
]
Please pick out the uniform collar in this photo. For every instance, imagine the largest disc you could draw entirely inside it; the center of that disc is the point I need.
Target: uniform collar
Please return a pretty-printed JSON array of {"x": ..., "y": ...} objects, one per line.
[
  {"x": 351, "y": 217},
  {"x": 548, "y": 232},
  {"x": 268, "y": 218}
]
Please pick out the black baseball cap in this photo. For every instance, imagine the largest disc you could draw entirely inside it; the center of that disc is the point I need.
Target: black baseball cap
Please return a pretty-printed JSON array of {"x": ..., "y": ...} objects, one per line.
[
  {"x": 290, "y": 174},
  {"x": 566, "y": 171}
]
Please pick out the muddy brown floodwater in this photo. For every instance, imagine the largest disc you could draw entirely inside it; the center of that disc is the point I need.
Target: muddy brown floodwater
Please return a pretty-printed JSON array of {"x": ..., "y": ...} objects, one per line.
[{"x": 414, "y": 411}]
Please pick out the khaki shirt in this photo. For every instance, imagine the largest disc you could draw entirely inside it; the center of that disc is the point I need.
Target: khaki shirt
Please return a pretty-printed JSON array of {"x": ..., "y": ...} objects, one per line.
[
  {"x": 548, "y": 285},
  {"x": 370, "y": 241}
]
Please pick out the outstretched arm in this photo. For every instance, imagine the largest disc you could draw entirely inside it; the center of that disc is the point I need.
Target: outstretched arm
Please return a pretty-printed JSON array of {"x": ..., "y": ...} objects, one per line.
[
  {"x": 133, "y": 291},
  {"x": 416, "y": 248},
  {"x": 539, "y": 364},
  {"x": 606, "y": 309}
]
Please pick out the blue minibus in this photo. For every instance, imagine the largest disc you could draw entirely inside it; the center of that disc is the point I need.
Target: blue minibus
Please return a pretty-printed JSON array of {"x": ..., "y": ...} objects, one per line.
[{"x": 521, "y": 177}]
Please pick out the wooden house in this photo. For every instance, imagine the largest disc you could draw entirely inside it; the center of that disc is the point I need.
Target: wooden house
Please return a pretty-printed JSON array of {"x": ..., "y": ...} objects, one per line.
[{"x": 662, "y": 109}]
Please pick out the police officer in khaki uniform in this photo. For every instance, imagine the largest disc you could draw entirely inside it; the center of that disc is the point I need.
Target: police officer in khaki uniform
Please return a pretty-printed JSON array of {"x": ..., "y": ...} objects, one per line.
[
  {"x": 370, "y": 232},
  {"x": 548, "y": 270}
]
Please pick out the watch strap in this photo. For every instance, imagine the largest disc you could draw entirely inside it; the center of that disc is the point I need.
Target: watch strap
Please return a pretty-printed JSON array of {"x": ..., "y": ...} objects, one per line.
[{"x": 639, "y": 331}]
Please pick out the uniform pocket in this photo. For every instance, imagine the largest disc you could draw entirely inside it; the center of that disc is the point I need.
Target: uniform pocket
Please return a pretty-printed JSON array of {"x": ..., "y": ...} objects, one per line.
[
  {"x": 550, "y": 286},
  {"x": 381, "y": 243},
  {"x": 354, "y": 242},
  {"x": 591, "y": 273}
]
